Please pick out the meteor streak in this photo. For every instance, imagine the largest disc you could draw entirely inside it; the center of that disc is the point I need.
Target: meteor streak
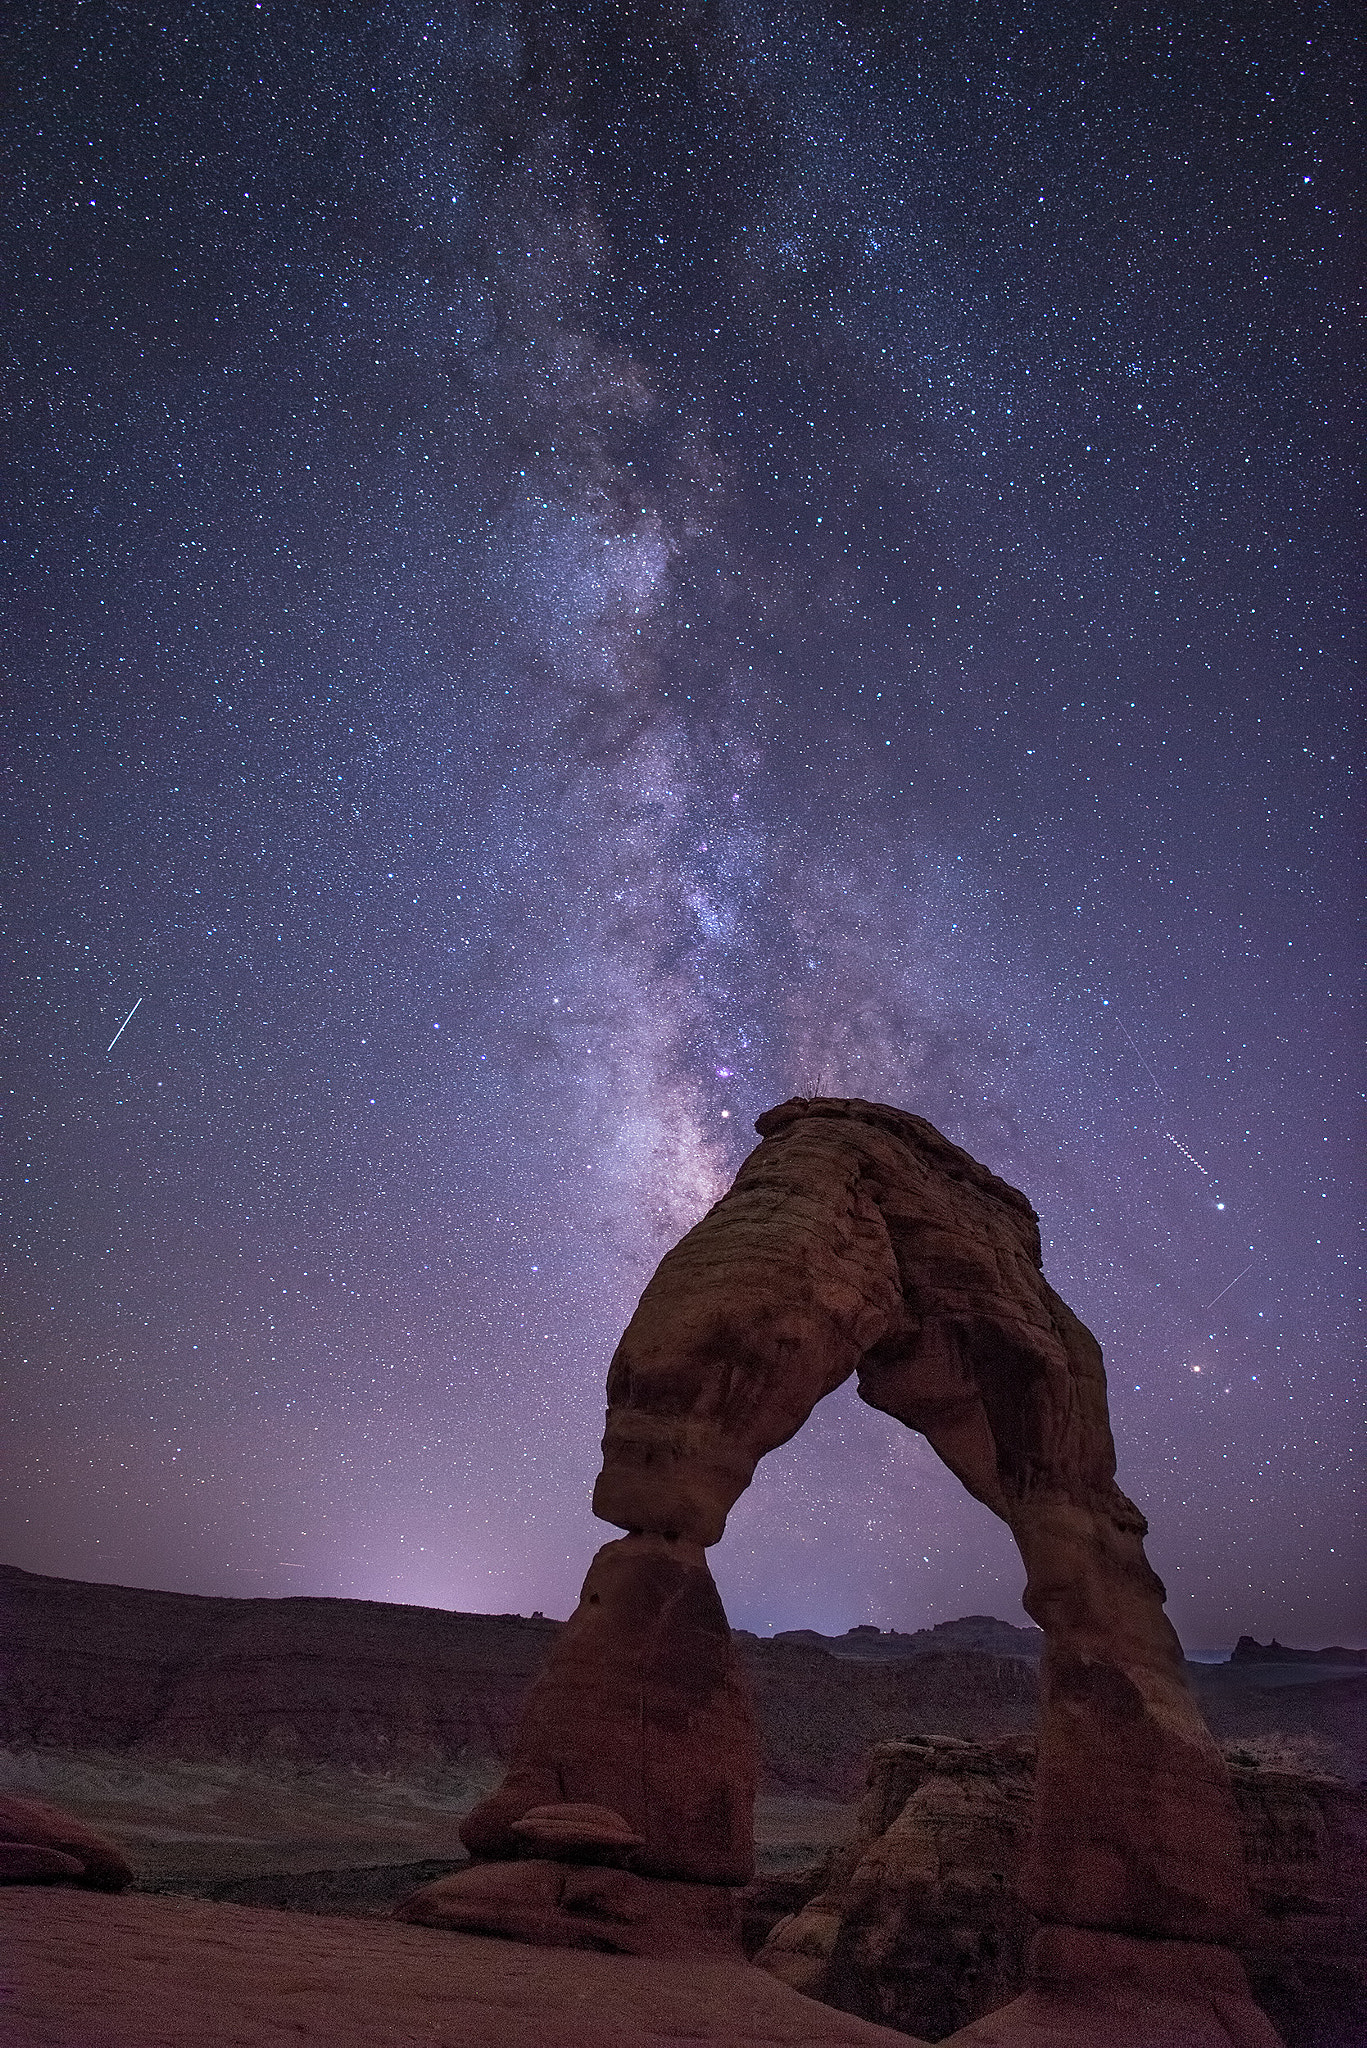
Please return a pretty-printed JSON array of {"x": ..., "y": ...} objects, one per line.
[
  {"x": 1185, "y": 1154},
  {"x": 122, "y": 1028},
  {"x": 1143, "y": 1062},
  {"x": 1232, "y": 1283}
]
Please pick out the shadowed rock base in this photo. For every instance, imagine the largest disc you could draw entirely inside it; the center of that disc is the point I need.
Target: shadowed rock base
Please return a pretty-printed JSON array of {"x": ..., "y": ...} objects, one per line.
[
  {"x": 1089, "y": 1988},
  {"x": 561, "y": 1905},
  {"x": 919, "y": 1921}
]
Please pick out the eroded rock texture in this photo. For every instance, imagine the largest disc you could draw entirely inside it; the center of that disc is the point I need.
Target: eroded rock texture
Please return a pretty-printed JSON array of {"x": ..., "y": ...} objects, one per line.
[
  {"x": 856, "y": 1239},
  {"x": 919, "y": 1923},
  {"x": 640, "y": 1710}
]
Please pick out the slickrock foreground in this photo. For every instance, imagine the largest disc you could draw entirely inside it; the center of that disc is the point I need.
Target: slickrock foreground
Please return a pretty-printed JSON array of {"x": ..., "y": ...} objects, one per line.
[{"x": 84, "y": 1971}]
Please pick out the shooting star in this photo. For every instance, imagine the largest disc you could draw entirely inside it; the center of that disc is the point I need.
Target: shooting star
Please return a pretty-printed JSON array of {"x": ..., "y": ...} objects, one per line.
[
  {"x": 1143, "y": 1062},
  {"x": 1233, "y": 1283},
  {"x": 1185, "y": 1154},
  {"x": 122, "y": 1028}
]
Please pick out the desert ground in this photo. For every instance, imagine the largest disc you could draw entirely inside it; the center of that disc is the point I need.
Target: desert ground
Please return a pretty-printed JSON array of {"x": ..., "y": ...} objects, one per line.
[
  {"x": 256, "y": 1832},
  {"x": 90, "y": 1971}
]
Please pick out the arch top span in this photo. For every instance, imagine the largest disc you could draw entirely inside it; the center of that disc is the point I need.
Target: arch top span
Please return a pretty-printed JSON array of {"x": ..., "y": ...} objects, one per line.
[
  {"x": 856, "y": 1238},
  {"x": 951, "y": 1159}
]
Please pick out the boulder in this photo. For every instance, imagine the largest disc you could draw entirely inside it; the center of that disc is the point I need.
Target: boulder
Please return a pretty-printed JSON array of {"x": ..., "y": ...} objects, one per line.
[
  {"x": 577, "y": 1833},
  {"x": 41, "y": 1844}
]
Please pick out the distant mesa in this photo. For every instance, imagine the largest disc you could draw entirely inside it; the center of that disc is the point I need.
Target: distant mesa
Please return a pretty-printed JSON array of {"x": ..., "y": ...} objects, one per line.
[
  {"x": 362, "y": 1685},
  {"x": 981, "y": 1633},
  {"x": 1248, "y": 1651}
]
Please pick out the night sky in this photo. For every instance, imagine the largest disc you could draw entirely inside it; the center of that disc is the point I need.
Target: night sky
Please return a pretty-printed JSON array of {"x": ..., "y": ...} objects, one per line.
[{"x": 579, "y": 571}]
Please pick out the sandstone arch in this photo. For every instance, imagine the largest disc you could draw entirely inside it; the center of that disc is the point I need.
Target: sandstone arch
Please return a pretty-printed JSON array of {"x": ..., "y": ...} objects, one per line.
[{"x": 857, "y": 1240}]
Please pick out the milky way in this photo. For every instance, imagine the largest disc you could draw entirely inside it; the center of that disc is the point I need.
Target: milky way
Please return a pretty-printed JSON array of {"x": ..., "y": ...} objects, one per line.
[{"x": 578, "y": 572}]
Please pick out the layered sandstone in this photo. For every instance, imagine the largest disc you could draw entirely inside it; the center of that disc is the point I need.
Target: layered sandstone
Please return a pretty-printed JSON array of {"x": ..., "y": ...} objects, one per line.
[
  {"x": 357, "y": 1684},
  {"x": 920, "y": 1922},
  {"x": 347, "y": 1682},
  {"x": 642, "y": 1711}
]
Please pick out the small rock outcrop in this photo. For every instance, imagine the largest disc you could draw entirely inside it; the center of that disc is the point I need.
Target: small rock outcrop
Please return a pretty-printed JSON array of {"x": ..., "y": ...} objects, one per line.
[
  {"x": 920, "y": 1923},
  {"x": 39, "y": 1844},
  {"x": 857, "y": 1240}
]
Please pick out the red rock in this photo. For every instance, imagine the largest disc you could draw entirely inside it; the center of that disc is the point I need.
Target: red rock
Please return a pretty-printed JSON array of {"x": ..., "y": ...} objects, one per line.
[
  {"x": 576, "y": 1831},
  {"x": 857, "y": 1239},
  {"x": 23, "y": 1863},
  {"x": 348, "y": 1682},
  {"x": 518, "y": 1900},
  {"x": 1305, "y": 1950},
  {"x": 358, "y": 1683},
  {"x": 1092, "y": 1990},
  {"x": 39, "y": 1829},
  {"x": 641, "y": 1709},
  {"x": 559, "y": 1905},
  {"x": 918, "y": 1921}
]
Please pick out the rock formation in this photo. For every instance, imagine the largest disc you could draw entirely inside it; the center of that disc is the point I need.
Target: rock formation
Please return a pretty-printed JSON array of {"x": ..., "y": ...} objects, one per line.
[
  {"x": 857, "y": 1240},
  {"x": 641, "y": 1710},
  {"x": 919, "y": 1923},
  {"x": 919, "y": 1920}
]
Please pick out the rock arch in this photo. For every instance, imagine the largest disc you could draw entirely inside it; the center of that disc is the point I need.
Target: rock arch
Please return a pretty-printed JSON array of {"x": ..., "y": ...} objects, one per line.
[{"x": 857, "y": 1240}]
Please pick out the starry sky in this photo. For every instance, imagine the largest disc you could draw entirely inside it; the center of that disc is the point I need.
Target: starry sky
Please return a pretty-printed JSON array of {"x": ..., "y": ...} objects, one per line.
[{"x": 577, "y": 571}]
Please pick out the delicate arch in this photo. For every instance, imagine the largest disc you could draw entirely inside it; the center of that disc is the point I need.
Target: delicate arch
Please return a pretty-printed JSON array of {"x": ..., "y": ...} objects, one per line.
[{"x": 857, "y": 1240}]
